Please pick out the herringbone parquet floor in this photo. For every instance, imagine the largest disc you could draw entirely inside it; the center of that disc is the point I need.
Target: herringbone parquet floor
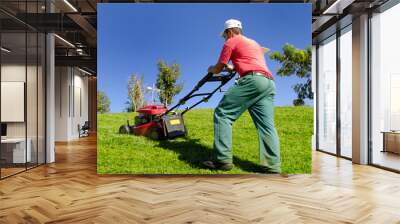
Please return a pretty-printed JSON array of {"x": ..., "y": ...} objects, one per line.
[{"x": 70, "y": 191}]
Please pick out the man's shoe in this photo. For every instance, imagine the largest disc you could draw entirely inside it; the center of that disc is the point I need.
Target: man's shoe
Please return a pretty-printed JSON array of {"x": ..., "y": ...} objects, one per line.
[{"x": 216, "y": 165}]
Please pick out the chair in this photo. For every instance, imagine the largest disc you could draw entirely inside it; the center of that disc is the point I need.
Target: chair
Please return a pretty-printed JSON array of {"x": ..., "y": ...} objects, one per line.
[{"x": 84, "y": 129}]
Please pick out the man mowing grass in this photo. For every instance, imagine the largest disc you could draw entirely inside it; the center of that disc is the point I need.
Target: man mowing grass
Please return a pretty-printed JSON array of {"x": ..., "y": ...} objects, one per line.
[{"x": 254, "y": 91}]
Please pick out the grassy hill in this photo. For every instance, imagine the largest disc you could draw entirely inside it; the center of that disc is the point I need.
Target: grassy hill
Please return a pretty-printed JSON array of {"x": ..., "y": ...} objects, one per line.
[{"x": 128, "y": 154}]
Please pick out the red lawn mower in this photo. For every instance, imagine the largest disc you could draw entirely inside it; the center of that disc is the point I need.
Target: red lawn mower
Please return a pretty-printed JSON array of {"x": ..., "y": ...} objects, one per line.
[{"x": 157, "y": 122}]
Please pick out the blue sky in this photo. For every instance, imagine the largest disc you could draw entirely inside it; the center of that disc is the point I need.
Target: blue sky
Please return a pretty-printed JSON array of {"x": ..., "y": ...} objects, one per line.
[{"x": 133, "y": 37}]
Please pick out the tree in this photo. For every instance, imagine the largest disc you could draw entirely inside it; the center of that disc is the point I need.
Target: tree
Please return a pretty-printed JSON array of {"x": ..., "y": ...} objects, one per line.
[
  {"x": 167, "y": 78},
  {"x": 135, "y": 93},
  {"x": 103, "y": 102},
  {"x": 296, "y": 62}
]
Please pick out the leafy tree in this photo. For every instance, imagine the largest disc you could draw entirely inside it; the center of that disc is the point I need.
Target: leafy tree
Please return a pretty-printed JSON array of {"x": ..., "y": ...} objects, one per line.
[
  {"x": 103, "y": 102},
  {"x": 296, "y": 62},
  {"x": 167, "y": 78},
  {"x": 135, "y": 93}
]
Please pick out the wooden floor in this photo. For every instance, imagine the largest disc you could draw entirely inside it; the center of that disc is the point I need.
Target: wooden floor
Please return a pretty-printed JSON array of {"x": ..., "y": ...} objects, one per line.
[{"x": 70, "y": 191}]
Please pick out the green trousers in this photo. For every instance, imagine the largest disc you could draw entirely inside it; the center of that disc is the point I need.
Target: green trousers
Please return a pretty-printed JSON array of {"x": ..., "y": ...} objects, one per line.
[{"x": 256, "y": 94}]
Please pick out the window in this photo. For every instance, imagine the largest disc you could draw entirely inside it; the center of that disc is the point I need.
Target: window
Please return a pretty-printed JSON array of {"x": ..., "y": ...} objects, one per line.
[
  {"x": 327, "y": 95},
  {"x": 346, "y": 74},
  {"x": 15, "y": 148},
  {"x": 385, "y": 89},
  {"x": 22, "y": 91}
]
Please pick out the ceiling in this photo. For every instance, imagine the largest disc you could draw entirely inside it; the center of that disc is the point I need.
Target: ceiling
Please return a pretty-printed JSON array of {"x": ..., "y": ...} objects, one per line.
[
  {"x": 74, "y": 22},
  {"x": 331, "y": 14}
]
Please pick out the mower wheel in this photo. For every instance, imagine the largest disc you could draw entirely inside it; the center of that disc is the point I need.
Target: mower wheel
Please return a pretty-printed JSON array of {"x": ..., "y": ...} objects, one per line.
[
  {"x": 155, "y": 133},
  {"x": 125, "y": 129}
]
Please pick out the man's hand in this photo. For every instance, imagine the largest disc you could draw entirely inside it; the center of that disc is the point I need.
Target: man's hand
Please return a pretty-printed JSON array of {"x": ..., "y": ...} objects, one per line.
[
  {"x": 229, "y": 67},
  {"x": 216, "y": 68},
  {"x": 210, "y": 69}
]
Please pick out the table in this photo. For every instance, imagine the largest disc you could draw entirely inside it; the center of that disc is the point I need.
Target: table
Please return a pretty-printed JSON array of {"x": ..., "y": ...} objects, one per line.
[{"x": 391, "y": 141}]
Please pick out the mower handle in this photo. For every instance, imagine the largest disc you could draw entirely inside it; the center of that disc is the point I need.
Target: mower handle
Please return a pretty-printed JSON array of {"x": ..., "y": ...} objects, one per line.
[{"x": 210, "y": 77}]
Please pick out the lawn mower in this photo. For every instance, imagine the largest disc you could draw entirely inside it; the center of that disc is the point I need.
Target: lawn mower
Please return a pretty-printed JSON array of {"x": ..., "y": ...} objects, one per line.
[{"x": 157, "y": 122}]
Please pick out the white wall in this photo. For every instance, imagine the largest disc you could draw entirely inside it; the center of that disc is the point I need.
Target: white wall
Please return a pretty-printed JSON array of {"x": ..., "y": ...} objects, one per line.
[
  {"x": 62, "y": 82},
  {"x": 12, "y": 73},
  {"x": 33, "y": 126},
  {"x": 71, "y": 94},
  {"x": 80, "y": 110},
  {"x": 13, "y": 101}
]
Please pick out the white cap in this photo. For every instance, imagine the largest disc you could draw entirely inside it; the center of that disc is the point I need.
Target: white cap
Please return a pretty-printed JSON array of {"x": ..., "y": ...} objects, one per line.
[{"x": 231, "y": 23}]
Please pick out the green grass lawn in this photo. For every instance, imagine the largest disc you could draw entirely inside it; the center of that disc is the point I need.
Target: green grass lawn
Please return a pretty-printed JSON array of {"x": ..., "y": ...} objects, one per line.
[{"x": 129, "y": 154}]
